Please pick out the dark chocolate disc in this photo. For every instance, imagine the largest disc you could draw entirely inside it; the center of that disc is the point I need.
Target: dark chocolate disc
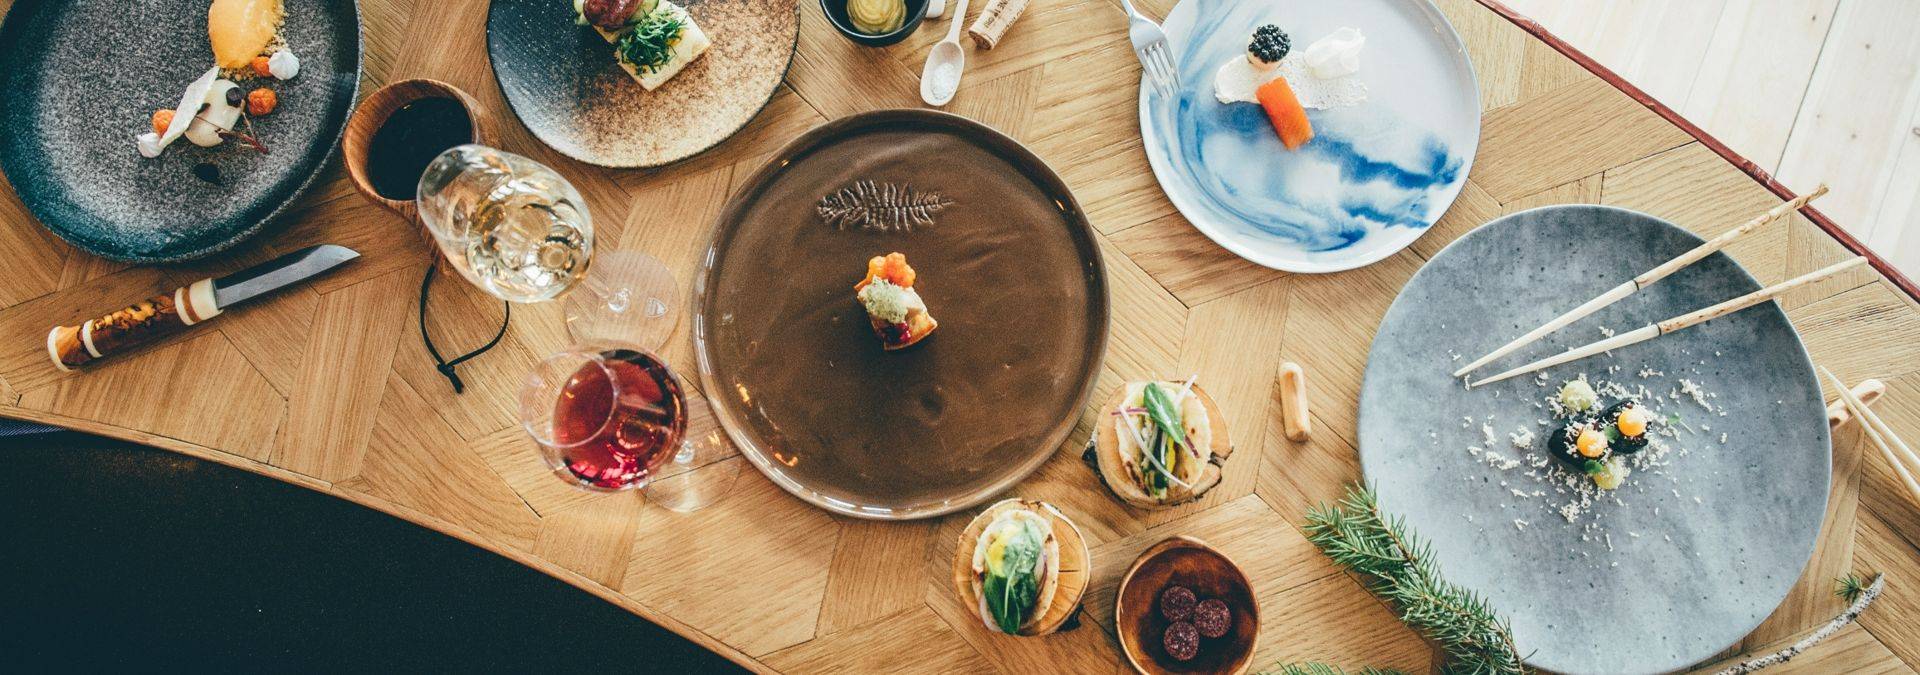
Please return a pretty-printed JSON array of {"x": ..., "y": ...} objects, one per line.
[
  {"x": 1182, "y": 641},
  {"x": 1176, "y": 603},
  {"x": 1212, "y": 617}
]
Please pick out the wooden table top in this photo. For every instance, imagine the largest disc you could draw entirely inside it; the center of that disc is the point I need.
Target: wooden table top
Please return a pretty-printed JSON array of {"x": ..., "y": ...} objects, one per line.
[{"x": 328, "y": 386}]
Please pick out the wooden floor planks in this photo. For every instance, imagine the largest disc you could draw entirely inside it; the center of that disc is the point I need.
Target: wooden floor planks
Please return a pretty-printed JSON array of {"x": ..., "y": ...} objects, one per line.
[{"x": 1810, "y": 90}]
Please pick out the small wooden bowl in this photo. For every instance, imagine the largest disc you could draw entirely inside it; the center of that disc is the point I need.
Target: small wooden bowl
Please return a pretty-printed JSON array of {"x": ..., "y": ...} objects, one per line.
[
  {"x": 373, "y": 113},
  {"x": 1076, "y": 566},
  {"x": 1185, "y": 561}
]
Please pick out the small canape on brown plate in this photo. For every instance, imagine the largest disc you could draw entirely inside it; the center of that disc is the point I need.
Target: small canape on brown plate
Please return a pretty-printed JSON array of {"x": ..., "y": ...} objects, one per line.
[
  {"x": 1184, "y": 607},
  {"x": 1022, "y": 567},
  {"x": 898, "y": 315},
  {"x": 1158, "y": 444}
]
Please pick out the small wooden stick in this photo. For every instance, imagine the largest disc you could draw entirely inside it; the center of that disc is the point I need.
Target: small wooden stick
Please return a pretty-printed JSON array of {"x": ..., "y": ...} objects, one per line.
[
  {"x": 1853, "y": 612},
  {"x": 1293, "y": 403},
  {"x": 1645, "y": 279},
  {"x": 1882, "y": 436},
  {"x": 1690, "y": 319},
  {"x": 1868, "y": 391},
  {"x": 993, "y": 21}
]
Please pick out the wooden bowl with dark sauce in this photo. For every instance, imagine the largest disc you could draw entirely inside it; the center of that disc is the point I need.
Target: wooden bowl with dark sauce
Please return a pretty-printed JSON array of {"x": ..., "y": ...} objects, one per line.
[
  {"x": 399, "y": 129},
  {"x": 1189, "y": 562}
]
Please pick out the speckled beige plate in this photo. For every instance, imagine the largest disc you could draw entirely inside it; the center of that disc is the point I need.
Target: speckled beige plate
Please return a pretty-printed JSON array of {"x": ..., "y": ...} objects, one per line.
[{"x": 561, "y": 80}]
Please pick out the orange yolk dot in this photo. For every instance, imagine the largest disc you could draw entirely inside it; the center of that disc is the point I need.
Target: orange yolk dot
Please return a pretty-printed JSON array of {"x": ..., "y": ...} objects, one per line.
[
  {"x": 1591, "y": 443},
  {"x": 1632, "y": 422}
]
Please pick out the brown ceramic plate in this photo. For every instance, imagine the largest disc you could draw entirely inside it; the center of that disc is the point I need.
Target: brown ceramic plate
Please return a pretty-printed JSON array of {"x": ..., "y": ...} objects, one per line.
[
  {"x": 1189, "y": 562},
  {"x": 561, "y": 80},
  {"x": 1006, "y": 263}
]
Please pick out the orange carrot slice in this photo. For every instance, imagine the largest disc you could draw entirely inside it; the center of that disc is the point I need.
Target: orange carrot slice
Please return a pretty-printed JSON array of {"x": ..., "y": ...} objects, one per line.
[{"x": 1284, "y": 111}]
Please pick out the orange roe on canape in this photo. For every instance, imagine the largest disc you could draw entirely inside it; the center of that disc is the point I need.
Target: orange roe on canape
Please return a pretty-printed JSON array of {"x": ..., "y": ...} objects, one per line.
[{"x": 891, "y": 267}]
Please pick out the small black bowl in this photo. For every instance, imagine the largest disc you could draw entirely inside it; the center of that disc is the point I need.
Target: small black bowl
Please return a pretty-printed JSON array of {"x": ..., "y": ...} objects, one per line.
[{"x": 837, "y": 15}]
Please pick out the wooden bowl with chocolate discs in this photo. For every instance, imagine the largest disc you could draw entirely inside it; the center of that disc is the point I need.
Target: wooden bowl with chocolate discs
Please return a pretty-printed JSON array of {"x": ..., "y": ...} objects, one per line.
[
  {"x": 1022, "y": 567},
  {"x": 1132, "y": 420},
  {"x": 1185, "y": 607}
]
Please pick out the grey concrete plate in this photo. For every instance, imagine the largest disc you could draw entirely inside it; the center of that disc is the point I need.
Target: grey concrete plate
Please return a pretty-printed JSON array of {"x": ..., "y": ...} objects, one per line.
[
  {"x": 83, "y": 78},
  {"x": 1695, "y": 548}
]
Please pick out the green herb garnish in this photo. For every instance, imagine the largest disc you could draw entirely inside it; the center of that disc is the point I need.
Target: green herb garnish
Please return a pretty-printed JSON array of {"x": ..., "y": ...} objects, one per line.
[
  {"x": 1593, "y": 467},
  {"x": 650, "y": 44},
  {"x": 1011, "y": 587},
  {"x": 1161, "y": 410}
]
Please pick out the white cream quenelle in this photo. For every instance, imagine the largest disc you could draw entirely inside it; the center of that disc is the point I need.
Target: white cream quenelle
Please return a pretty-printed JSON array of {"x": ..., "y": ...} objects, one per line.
[{"x": 1336, "y": 55}]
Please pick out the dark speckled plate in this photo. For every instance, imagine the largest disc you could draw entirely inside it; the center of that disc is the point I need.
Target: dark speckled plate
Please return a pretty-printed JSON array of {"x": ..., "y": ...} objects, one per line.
[
  {"x": 1684, "y": 558},
  {"x": 83, "y": 78},
  {"x": 561, "y": 80}
]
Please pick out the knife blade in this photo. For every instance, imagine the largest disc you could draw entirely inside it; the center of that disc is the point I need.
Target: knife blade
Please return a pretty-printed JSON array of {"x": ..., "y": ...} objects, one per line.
[
  {"x": 169, "y": 313},
  {"x": 279, "y": 273}
]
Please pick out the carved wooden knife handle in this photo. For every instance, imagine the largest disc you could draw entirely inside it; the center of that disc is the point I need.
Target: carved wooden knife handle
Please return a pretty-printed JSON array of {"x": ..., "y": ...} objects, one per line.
[{"x": 143, "y": 322}]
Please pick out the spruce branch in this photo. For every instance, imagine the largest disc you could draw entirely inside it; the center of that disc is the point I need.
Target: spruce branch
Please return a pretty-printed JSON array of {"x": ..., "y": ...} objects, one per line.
[{"x": 1398, "y": 566}]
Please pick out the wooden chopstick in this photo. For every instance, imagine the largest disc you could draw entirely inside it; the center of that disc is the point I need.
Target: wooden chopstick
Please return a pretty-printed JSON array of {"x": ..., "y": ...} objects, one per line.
[
  {"x": 1645, "y": 279},
  {"x": 1654, "y": 330},
  {"x": 1905, "y": 462}
]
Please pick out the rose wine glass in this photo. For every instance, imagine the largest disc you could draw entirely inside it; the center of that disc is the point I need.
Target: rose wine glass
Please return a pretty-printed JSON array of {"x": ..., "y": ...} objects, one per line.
[{"x": 610, "y": 416}]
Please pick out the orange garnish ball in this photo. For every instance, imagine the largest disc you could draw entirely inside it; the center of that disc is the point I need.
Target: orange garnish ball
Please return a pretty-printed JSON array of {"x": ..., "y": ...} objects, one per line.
[
  {"x": 893, "y": 267},
  {"x": 1591, "y": 443},
  {"x": 162, "y": 119},
  {"x": 1632, "y": 421},
  {"x": 261, "y": 101},
  {"x": 260, "y": 68}
]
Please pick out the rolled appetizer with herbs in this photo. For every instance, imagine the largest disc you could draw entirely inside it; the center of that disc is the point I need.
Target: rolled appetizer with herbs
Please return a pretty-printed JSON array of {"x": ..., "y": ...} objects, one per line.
[
  {"x": 1022, "y": 567},
  {"x": 1161, "y": 443},
  {"x": 652, "y": 39},
  {"x": 898, "y": 315}
]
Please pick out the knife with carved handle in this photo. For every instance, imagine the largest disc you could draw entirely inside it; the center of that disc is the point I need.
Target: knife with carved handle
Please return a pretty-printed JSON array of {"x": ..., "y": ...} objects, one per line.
[{"x": 166, "y": 314}]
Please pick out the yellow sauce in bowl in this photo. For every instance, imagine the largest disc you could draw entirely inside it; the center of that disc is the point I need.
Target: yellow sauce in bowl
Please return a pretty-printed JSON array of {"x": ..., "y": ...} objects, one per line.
[{"x": 877, "y": 17}]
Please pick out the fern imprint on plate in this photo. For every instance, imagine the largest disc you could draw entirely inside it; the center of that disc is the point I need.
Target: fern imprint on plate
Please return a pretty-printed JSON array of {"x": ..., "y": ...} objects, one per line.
[{"x": 888, "y": 207}]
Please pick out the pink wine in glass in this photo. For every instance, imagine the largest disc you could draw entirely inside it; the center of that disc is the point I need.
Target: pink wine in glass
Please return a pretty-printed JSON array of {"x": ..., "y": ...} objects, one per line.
[{"x": 618, "y": 419}]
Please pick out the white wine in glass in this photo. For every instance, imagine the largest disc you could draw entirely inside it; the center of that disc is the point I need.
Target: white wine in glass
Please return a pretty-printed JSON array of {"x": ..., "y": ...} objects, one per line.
[{"x": 510, "y": 225}]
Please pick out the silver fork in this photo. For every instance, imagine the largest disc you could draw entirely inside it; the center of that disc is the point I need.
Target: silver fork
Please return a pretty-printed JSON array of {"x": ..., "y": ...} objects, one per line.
[{"x": 1150, "y": 44}]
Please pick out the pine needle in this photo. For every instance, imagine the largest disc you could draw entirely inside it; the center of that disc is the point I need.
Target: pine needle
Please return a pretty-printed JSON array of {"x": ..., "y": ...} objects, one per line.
[
  {"x": 1398, "y": 566},
  {"x": 1849, "y": 587}
]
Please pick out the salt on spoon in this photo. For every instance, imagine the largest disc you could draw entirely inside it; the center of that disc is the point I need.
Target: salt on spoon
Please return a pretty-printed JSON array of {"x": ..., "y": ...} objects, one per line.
[{"x": 941, "y": 77}]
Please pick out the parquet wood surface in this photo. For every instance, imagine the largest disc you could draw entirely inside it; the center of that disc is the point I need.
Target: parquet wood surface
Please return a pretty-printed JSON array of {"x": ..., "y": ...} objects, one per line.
[{"x": 328, "y": 386}]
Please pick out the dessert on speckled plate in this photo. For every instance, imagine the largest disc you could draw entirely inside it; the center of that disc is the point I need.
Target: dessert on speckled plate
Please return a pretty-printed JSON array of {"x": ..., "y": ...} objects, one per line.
[{"x": 261, "y": 89}]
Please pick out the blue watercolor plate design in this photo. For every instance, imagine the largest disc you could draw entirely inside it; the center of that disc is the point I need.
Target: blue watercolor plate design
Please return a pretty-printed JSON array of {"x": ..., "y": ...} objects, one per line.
[{"x": 1372, "y": 180}]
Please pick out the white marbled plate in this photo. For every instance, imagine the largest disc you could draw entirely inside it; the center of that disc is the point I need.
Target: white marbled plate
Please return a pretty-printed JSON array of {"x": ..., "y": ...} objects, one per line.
[{"x": 1374, "y": 177}]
